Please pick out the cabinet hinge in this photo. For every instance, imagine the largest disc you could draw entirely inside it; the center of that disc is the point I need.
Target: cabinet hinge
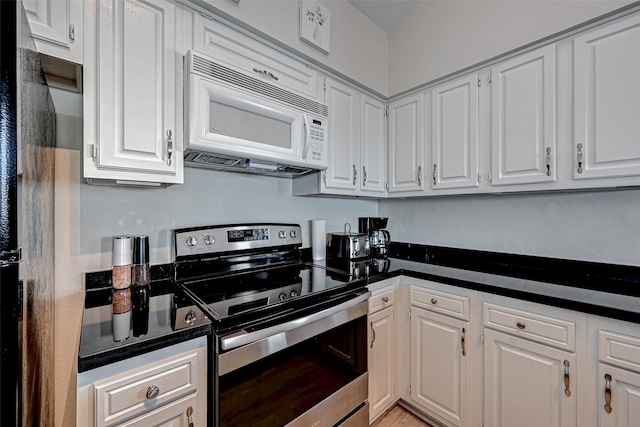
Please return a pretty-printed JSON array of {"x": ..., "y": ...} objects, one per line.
[
  {"x": 94, "y": 151},
  {"x": 409, "y": 314},
  {"x": 482, "y": 338},
  {"x": 479, "y": 82},
  {"x": 386, "y": 111},
  {"x": 489, "y": 79},
  {"x": 72, "y": 32}
]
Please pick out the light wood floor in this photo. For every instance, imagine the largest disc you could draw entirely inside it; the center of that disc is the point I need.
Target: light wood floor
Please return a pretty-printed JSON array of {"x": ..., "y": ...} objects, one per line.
[{"x": 400, "y": 417}]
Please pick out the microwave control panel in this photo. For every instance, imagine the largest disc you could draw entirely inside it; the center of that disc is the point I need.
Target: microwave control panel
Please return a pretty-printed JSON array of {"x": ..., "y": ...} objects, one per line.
[{"x": 317, "y": 153}]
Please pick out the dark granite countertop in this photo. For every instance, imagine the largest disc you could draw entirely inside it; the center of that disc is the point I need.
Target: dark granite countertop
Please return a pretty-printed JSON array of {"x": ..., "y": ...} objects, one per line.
[
  {"x": 147, "y": 327},
  {"x": 602, "y": 289}
]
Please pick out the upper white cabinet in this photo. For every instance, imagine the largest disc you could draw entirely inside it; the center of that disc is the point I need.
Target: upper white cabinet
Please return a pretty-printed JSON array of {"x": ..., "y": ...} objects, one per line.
[
  {"x": 606, "y": 103},
  {"x": 356, "y": 148},
  {"x": 57, "y": 27},
  {"x": 133, "y": 92},
  {"x": 253, "y": 58},
  {"x": 373, "y": 145},
  {"x": 406, "y": 144},
  {"x": 523, "y": 119},
  {"x": 454, "y": 137}
]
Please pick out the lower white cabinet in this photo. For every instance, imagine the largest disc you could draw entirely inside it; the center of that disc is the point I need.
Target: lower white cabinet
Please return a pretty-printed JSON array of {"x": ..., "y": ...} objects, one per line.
[
  {"x": 617, "y": 366},
  {"x": 166, "y": 387},
  {"x": 440, "y": 366},
  {"x": 382, "y": 352},
  {"x": 470, "y": 358},
  {"x": 527, "y": 383},
  {"x": 530, "y": 364},
  {"x": 619, "y": 402}
]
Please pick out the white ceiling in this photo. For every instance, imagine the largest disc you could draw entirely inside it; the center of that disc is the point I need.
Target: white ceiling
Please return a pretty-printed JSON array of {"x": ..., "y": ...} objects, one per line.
[{"x": 385, "y": 13}]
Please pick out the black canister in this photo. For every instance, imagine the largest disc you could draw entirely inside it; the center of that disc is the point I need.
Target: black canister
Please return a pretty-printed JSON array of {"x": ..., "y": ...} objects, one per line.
[{"x": 140, "y": 269}]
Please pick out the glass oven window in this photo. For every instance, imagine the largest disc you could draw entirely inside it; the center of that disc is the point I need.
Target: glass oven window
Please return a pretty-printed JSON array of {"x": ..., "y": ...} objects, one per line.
[{"x": 277, "y": 389}]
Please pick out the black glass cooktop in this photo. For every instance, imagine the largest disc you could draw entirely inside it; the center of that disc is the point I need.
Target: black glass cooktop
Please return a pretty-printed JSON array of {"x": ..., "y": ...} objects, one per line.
[{"x": 243, "y": 297}]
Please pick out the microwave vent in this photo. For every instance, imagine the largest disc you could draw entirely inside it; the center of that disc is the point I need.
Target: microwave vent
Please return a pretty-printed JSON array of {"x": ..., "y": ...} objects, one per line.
[
  {"x": 216, "y": 160},
  {"x": 211, "y": 69}
]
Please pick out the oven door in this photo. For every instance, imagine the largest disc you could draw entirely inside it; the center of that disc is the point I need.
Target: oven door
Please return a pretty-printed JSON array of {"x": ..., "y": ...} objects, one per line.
[{"x": 313, "y": 372}]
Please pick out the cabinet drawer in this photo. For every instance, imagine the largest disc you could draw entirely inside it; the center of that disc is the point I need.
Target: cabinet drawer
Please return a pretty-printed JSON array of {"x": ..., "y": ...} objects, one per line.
[
  {"x": 619, "y": 350},
  {"x": 441, "y": 302},
  {"x": 380, "y": 299},
  {"x": 250, "y": 57},
  {"x": 535, "y": 327},
  {"x": 125, "y": 396}
]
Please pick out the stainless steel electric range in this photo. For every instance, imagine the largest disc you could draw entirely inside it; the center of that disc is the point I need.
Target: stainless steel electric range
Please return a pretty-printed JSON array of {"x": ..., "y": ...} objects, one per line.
[{"x": 289, "y": 341}]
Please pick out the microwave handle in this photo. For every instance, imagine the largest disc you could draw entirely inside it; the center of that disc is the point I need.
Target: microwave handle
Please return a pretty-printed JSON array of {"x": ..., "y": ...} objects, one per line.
[{"x": 307, "y": 136}]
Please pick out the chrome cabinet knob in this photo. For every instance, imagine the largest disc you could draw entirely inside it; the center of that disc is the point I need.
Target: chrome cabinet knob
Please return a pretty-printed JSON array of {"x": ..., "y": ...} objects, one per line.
[
  {"x": 152, "y": 392},
  {"x": 191, "y": 241}
]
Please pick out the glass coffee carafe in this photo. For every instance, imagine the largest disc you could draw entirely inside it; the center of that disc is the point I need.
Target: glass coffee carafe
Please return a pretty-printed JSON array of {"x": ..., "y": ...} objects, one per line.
[{"x": 379, "y": 238}]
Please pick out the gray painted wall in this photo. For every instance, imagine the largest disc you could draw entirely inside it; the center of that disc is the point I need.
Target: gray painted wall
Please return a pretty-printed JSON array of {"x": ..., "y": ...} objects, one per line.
[{"x": 591, "y": 226}]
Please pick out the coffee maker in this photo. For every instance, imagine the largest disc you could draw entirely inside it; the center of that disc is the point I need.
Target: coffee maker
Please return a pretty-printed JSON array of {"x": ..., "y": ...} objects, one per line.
[{"x": 379, "y": 238}]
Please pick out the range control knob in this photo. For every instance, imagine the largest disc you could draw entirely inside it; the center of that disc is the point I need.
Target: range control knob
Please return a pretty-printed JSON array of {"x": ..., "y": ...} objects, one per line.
[
  {"x": 191, "y": 241},
  {"x": 282, "y": 296},
  {"x": 293, "y": 294},
  {"x": 293, "y": 233},
  {"x": 208, "y": 239},
  {"x": 282, "y": 234},
  {"x": 190, "y": 317}
]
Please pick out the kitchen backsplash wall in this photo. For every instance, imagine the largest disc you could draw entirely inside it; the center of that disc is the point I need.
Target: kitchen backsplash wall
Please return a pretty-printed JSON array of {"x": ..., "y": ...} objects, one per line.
[{"x": 588, "y": 226}]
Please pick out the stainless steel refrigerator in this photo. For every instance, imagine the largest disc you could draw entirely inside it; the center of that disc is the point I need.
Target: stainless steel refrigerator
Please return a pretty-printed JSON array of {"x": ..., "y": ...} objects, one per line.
[{"x": 27, "y": 143}]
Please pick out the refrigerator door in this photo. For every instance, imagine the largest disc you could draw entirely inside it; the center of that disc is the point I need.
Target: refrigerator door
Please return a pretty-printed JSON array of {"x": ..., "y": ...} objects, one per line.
[{"x": 27, "y": 142}]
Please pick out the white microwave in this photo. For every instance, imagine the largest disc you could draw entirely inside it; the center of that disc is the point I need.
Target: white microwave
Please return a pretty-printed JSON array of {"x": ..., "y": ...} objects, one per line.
[{"x": 239, "y": 123}]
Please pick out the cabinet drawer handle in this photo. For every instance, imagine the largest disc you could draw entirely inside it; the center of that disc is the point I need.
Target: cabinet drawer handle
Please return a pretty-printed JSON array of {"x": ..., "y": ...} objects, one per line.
[
  {"x": 169, "y": 147},
  {"x": 521, "y": 325},
  {"x": 464, "y": 349},
  {"x": 364, "y": 176},
  {"x": 434, "y": 301},
  {"x": 373, "y": 333},
  {"x": 548, "y": 158},
  {"x": 189, "y": 416},
  {"x": 579, "y": 158},
  {"x": 435, "y": 168},
  {"x": 152, "y": 392},
  {"x": 419, "y": 176},
  {"x": 385, "y": 299},
  {"x": 607, "y": 393},
  {"x": 265, "y": 72},
  {"x": 567, "y": 380},
  {"x": 355, "y": 174}
]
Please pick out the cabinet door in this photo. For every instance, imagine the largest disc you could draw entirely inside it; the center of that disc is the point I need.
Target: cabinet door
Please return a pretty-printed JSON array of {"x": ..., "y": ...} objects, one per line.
[
  {"x": 523, "y": 131},
  {"x": 454, "y": 136},
  {"x": 440, "y": 366},
  {"x": 406, "y": 144},
  {"x": 619, "y": 392},
  {"x": 382, "y": 362},
  {"x": 176, "y": 414},
  {"x": 372, "y": 146},
  {"x": 343, "y": 150},
  {"x": 57, "y": 27},
  {"x": 135, "y": 98},
  {"x": 606, "y": 101},
  {"x": 525, "y": 383}
]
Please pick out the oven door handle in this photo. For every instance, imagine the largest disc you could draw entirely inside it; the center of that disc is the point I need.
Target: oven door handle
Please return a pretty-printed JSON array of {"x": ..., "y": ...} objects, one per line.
[{"x": 238, "y": 340}]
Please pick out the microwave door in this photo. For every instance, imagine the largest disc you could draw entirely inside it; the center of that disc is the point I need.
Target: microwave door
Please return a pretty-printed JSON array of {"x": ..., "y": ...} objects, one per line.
[{"x": 233, "y": 122}]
